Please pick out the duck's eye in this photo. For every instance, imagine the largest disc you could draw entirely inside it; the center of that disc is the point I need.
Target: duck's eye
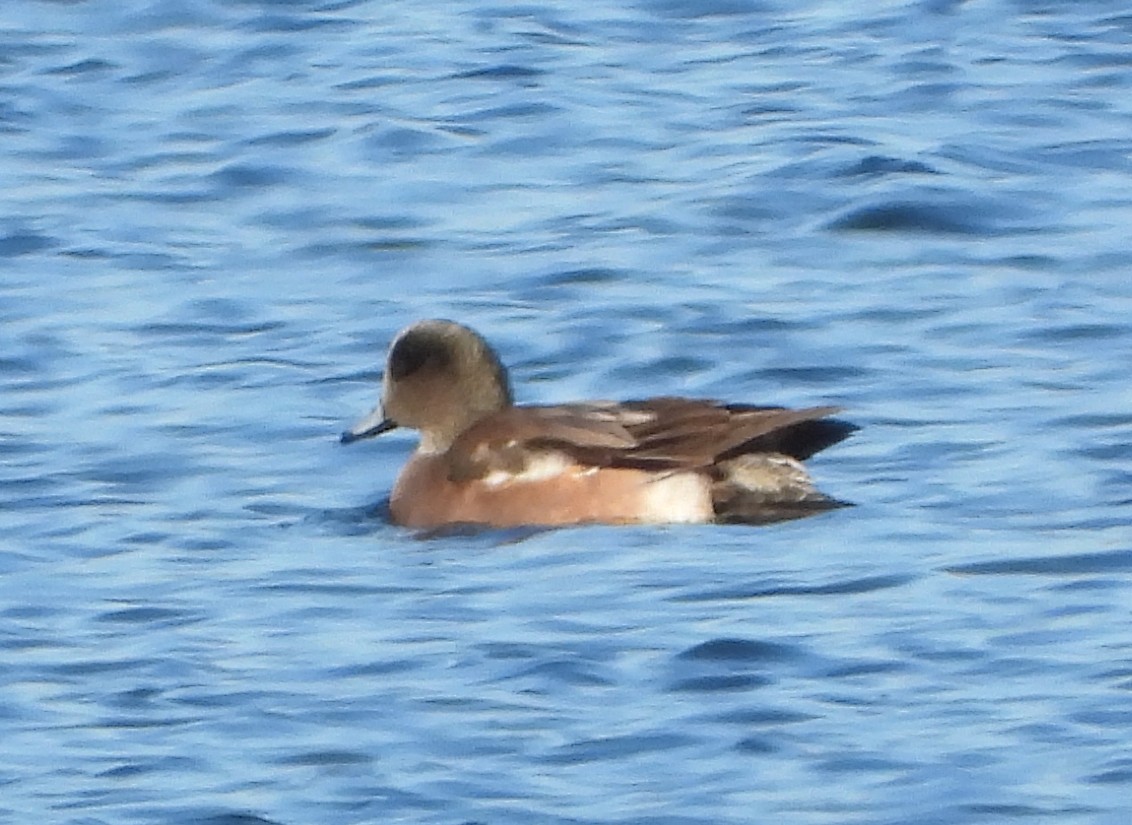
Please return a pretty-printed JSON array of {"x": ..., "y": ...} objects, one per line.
[{"x": 415, "y": 351}]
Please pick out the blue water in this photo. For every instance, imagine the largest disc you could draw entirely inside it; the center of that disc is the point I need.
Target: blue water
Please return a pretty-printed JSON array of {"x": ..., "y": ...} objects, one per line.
[{"x": 213, "y": 217}]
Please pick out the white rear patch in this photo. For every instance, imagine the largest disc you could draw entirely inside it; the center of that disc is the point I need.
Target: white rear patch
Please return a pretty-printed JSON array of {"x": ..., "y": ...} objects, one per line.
[{"x": 679, "y": 497}]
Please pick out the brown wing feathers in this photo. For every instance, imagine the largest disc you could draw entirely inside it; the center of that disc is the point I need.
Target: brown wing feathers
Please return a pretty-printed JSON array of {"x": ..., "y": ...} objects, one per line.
[
  {"x": 697, "y": 433},
  {"x": 657, "y": 433},
  {"x": 680, "y": 432}
]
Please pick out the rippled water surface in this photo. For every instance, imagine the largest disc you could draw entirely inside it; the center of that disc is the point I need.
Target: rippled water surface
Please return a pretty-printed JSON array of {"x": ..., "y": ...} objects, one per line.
[{"x": 215, "y": 215}]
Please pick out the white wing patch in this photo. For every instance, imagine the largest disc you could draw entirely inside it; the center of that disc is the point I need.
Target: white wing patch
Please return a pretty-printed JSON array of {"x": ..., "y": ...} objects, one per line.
[{"x": 540, "y": 467}]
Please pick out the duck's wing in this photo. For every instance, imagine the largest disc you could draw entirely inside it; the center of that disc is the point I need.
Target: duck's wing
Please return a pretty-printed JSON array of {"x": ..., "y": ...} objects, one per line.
[
  {"x": 655, "y": 433},
  {"x": 700, "y": 432}
]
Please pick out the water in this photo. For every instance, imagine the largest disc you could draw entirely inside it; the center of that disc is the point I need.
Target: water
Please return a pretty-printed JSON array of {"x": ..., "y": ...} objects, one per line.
[{"x": 215, "y": 215}]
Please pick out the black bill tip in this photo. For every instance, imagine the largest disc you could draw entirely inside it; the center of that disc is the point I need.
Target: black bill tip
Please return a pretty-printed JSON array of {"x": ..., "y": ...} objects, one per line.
[{"x": 358, "y": 433}]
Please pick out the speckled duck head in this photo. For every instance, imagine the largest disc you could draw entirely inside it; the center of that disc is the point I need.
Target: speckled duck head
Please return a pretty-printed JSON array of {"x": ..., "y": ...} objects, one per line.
[{"x": 440, "y": 378}]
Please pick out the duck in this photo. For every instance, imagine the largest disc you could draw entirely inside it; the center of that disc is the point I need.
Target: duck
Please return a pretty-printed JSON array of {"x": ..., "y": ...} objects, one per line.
[{"x": 484, "y": 460}]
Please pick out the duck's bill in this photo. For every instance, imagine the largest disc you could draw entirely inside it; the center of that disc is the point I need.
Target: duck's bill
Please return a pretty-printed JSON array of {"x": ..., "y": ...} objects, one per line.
[{"x": 373, "y": 424}]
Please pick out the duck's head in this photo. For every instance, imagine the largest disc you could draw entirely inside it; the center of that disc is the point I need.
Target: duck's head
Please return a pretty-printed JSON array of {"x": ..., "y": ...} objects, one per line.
[{"x": 440, "y": 378}]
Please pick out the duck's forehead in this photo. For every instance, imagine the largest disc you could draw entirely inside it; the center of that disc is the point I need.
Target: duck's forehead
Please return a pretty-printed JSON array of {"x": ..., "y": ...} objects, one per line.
[{"x": 416, "y": 347}]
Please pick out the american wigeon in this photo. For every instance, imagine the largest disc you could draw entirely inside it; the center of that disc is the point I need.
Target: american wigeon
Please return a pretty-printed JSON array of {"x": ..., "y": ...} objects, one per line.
[{"x": 484, "y": 460}]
